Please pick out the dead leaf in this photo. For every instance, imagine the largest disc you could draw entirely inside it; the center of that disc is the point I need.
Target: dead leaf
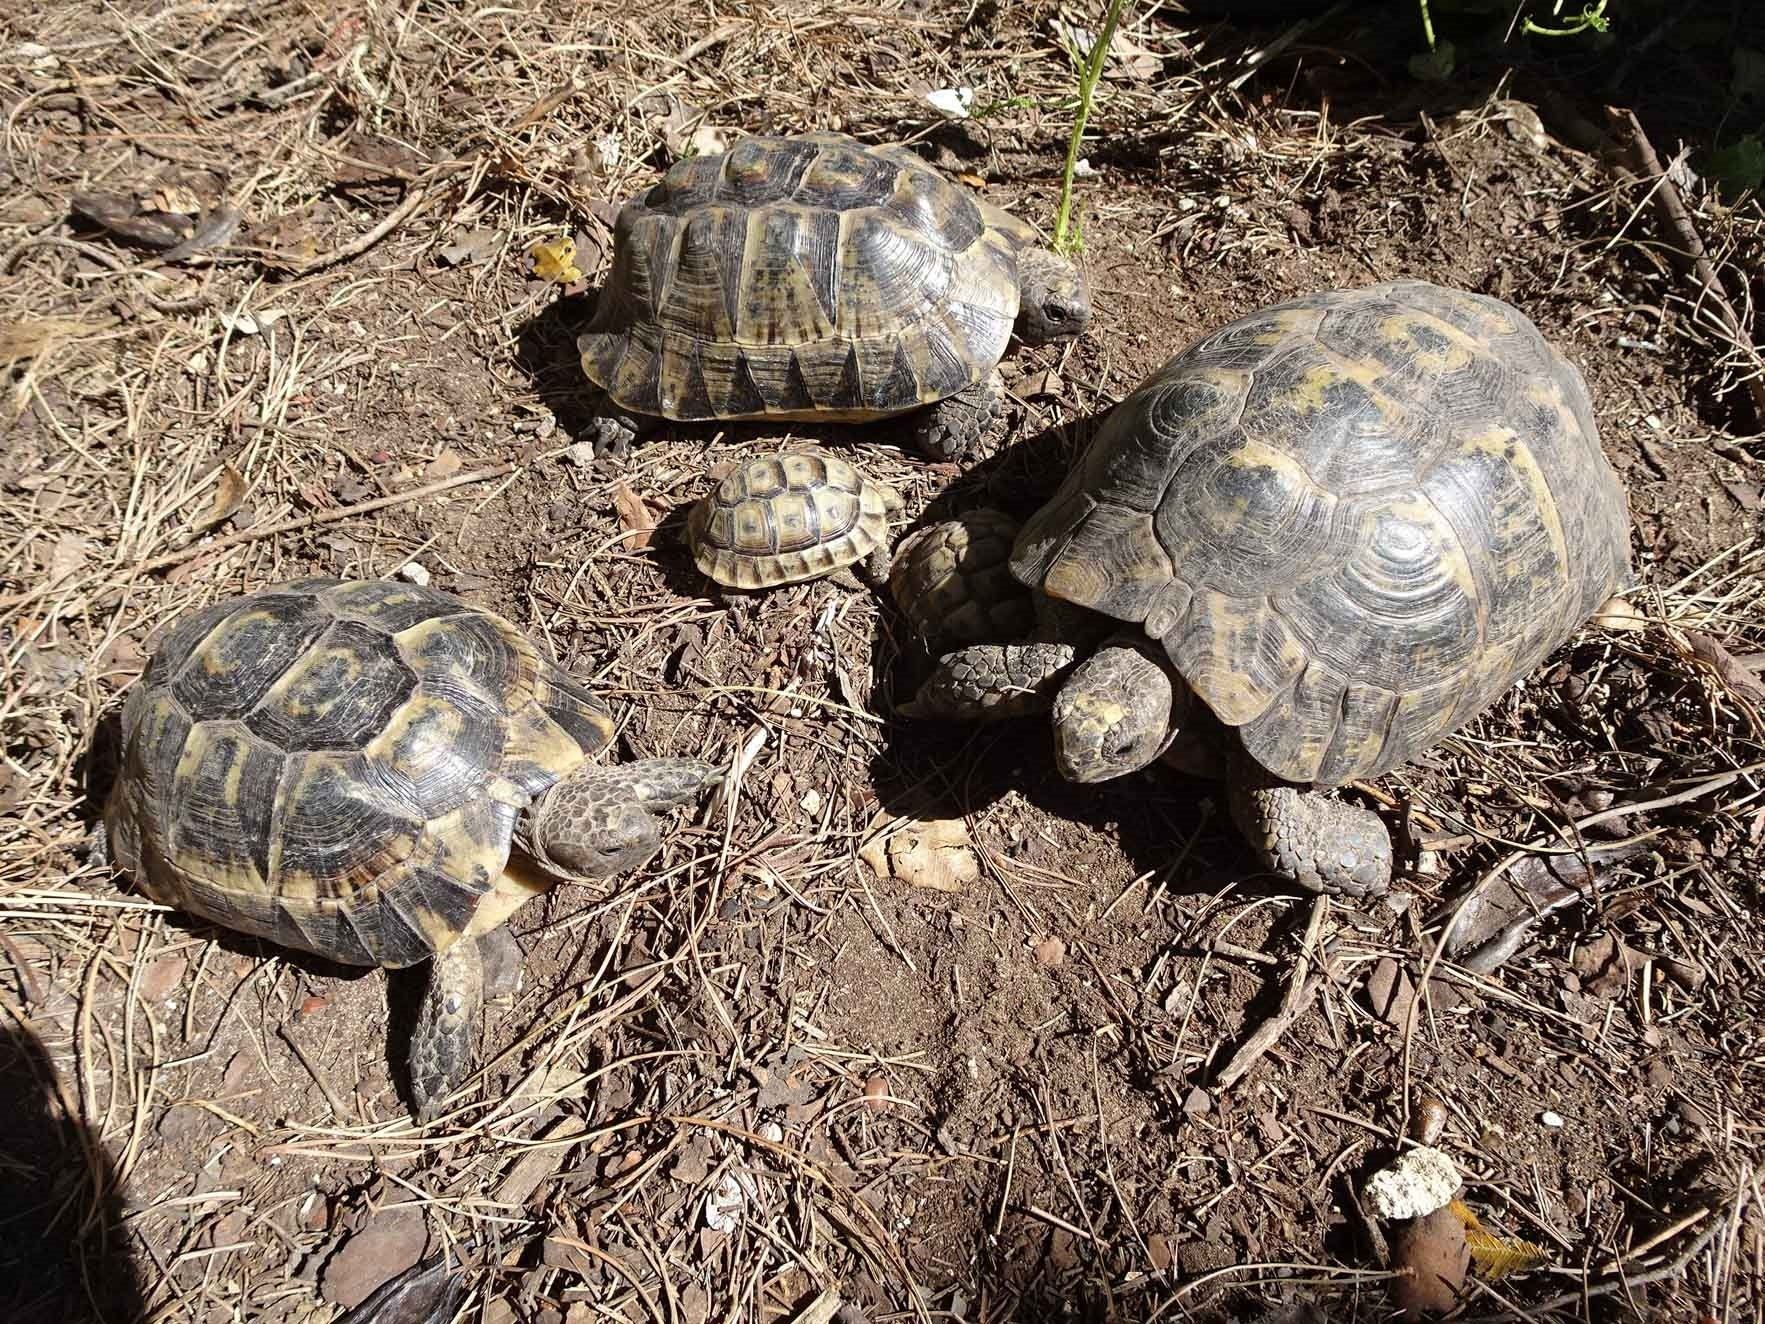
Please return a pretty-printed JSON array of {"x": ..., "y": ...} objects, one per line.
[
  {"x": 1050, "y": 952},
  {"x": 1044, "y": 383},
  {"x": 28, "y": 337},
  {"x": 229, "y": 496},
  {"x": 635, "y": 517},
  {"x": 473, "y": 246},
  {"x": 161, "y": 979},
  {"x": 1390, "y": 992},
  {"x": 120, "y": 215},
  {"x": 1604, "y": 965},
  {"x": 68, "y": 555},
  {"x": 556, "y": 261},
  {"x": 934, "y": 853},
  {"x": 216, "y": 230},
  {"x": 677, "y": 125},
  {"x": 1494, "y": 1255},
  {"x": 370, "y": 158},
  {"x": 1494, "y": 922},
  {"x": 708, "y": 140},
  {"x": 179, "y": 199},
  {"x": 443, "y": 466}
]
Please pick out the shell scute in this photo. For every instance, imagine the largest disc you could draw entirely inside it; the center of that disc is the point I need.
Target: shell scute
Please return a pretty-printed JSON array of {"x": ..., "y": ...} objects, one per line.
[{"x": 234, "y": 665}]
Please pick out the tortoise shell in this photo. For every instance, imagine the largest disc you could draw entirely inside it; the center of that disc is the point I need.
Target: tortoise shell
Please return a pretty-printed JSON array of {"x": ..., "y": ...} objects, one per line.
[
  {"x": 338, "y": 767},
  {"x": 781, "y": 519},
  {"x": 1353, "y": 519},
  {"x": 802, "y": 277},
  {"x": 953, "y": 582}
]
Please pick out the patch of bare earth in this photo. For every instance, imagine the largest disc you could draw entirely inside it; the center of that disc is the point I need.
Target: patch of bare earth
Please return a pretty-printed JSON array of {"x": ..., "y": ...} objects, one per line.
[{"x": 265, "y": 311}]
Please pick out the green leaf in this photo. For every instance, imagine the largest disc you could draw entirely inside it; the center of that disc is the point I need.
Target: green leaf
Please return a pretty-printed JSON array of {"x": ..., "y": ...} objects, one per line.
[{"x": 1740, "y": 165}]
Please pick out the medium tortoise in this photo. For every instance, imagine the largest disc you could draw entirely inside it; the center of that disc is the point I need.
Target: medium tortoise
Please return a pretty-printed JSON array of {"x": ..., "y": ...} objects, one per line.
[
  {"x": 815, "y": 277},
  {"x": 1346, "y": 523},
  {"x": 952, "y": 580},
  {"x": 343, "y": 767},
  {"x": 781, "y": 519}
]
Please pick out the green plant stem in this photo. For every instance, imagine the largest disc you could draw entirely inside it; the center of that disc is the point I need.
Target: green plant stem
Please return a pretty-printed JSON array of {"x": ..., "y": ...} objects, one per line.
[
  {"x": 1427, "y": 23},
  {"x": 1065, "y": 232}
]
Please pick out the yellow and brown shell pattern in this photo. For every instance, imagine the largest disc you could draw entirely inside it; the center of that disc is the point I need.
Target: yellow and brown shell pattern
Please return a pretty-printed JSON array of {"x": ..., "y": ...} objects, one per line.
[
  {"x": 781, "y": 519},
  {"x": 802, "y": 277},
  {"x": 338, "y": 766},
  {"x": 1353, "y": 519}
]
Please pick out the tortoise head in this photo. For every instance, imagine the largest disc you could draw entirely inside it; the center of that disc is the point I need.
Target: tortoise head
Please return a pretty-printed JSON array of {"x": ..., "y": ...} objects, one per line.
[
  {"x": 587, "y": 828},
  {"x": 1116, "y": 713},
  {"x": 1053, "y": 302}
]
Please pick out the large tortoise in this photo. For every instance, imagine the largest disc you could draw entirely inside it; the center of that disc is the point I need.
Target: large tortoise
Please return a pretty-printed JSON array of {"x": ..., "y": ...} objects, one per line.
[
  {"x": 815, "y": 277},
  {"x": 343, "y": 768},
  {"x": 1346, "y": 523},
  {"x": 789, "y": 517}
]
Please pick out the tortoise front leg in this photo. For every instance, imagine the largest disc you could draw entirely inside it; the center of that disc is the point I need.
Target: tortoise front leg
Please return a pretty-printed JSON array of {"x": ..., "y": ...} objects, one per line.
[
  {"x": 988, "y": 682},
  {"x": 1306, "y": 836},
  {"x": 954, "y": 428},
  {"x": 444, "y": 1041}
]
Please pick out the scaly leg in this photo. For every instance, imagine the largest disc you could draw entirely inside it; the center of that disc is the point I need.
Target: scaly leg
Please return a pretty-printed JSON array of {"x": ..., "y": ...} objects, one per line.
[
  {"x": 954, "y": 428},
  {"x": 1307, "y": 836},
  {"x": 444, "y": 1041}
]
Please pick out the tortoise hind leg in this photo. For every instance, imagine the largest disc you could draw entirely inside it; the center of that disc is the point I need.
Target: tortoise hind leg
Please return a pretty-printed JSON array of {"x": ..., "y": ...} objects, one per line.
[
  {"x": 444, "y": 1041},
  {"x": 954, "y": 428},
  {"x": 1306, "y": 836}
]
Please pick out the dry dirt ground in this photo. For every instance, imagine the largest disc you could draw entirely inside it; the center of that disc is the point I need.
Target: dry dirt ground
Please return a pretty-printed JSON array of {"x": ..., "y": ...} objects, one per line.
[{"x": 759, "y": 1082}]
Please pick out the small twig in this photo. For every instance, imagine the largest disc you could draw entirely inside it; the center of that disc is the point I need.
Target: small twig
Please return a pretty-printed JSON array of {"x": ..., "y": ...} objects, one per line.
[
  {"x": 1626, "y": 1284},
  {"x": 363, "y": 242},
  {"x": 1676, "y": 219},
  {"x": 255, "y": 533},
  {"x": 344, "y": 1116},
  {"x": 1301, "y": 989}
]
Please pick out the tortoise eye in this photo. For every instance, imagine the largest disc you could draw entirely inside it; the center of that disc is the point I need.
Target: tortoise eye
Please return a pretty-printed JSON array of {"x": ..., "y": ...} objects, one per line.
[{"x": 1054, "y": 312}]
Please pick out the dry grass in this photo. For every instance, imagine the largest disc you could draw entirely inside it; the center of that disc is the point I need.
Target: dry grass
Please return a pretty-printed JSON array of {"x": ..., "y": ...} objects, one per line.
[{"x": 327, "y": 386}]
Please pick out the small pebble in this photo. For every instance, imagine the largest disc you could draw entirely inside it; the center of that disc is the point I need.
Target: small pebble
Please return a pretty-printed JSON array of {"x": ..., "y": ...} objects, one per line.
[
  {"x": 771, "y": 1131},
  {"x": 876, "y": 1094},
  {"x": 1050, "y": 952},
  {"x": 1552, "y": 1120},
  {"x": 414, "y": 572}
]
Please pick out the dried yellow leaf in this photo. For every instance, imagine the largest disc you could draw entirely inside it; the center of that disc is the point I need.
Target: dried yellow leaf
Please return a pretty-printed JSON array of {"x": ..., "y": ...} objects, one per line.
[
  {"x": 1495, "y": 1256},
  {"x": 556, "y": 261}
]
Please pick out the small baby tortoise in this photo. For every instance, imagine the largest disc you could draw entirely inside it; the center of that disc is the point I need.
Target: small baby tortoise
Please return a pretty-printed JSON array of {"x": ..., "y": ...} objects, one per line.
[
  {"x": 815, "y": 277},
  {"x": 1345, "y": 524},
  {"x": 952, "y": 581},
  {"x": 781, "y": 519},
  {"x": 343, "y": 767}
]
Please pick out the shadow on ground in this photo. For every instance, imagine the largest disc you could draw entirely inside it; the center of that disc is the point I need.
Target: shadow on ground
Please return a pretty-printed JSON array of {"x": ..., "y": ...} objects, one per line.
[{"x": 63, "y": 1253}]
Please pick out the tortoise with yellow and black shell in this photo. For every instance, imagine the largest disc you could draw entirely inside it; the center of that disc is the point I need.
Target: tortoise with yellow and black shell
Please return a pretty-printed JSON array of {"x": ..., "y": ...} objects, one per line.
[
  {"x": 793, "y": 516},
  {"x": 1324, "y": 536},
  {"x": 379, "y": 774},
  {"x": 815, "y": 277}
]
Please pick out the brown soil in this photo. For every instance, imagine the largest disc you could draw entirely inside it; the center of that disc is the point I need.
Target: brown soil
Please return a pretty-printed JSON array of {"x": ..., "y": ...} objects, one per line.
[{"x": 1051, "y": 1140}]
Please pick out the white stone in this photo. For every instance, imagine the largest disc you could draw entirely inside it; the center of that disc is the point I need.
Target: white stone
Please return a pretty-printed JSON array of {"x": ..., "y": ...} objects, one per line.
[
  {"x": 414, "y": 572},
  {"x": 1419, "y": 1182}
]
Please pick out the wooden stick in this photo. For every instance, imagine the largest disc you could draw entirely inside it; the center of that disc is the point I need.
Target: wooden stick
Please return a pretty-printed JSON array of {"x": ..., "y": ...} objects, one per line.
[
  {"x": 1301, "y": 990},
  {"x": 322, "y": 517},
  {"x": 1671, "y": 212}
]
